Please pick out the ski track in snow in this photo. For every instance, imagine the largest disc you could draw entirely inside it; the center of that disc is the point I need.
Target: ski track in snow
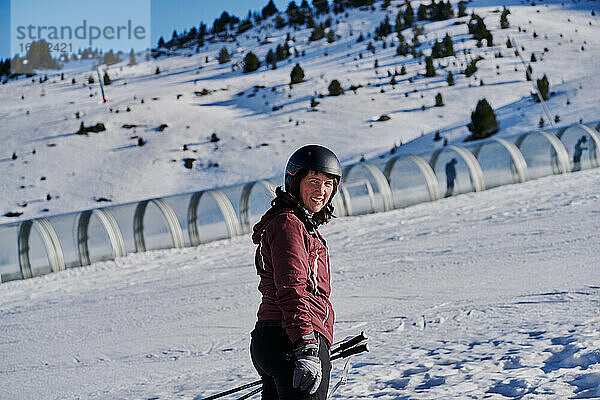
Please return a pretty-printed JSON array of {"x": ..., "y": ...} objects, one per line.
[{"x": 490, "y": 295}]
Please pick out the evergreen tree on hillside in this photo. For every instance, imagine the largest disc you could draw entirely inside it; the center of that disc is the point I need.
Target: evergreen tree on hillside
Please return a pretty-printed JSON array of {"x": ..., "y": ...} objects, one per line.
[
  {"x": 335, "y": 89},
  {"x": 543, "y": 87},
  {"x": 384, "y": 28},
  {"x": 106, "y": 79},
  {"x": 479, "y": 31},
  {"x": 439, "y": 101},
  {"x": 462, "y": 9},
  {"x": 224, "y": 56},
  {"x": 132, "y": 60},
  {"x": 297, "y": 75},
  {"x": 38, "y": 56},
  {"x": 409, "y": 16},
  {"x": 504, "y": 24},
  {"x": 447, "y": 45},
  {"x": 422, "y": 12},
  {"x": 269, "y": 10},
  {"x": 341, "y": 5},
  {"x": 279, "y": 21},
  {"x": 330, "y": 36},
  {"x": 110, "y": 58},
  {"x": 450, "y": 79},
  {"x": 436, "y": 50},
  {"x": 318, "y": 33},
  {"x": 429, "y": 68},
  {"x": 270, "y": 57},
  {"x": 321, "y": 6},
  {"x": 295, "y": 15},
  {"x": 251, "y": 62},
  {"x": 483, "y": 121}
]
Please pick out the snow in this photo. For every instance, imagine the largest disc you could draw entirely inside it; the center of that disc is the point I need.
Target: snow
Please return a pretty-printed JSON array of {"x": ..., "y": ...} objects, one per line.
[
  {"x": 484, "y": 295},
  {"x": 491, "y": 294}
]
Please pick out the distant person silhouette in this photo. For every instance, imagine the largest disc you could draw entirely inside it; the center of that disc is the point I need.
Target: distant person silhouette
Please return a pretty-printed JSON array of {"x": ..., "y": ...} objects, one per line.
[
  {"x": 578, "y": 152},
  {"x": 450, "y": 176}
]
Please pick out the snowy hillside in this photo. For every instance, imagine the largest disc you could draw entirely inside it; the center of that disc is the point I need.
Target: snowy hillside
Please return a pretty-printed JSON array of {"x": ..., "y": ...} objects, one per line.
[
  {"x": 259, "y": 119},
  {"x": 491, "y": 295}
]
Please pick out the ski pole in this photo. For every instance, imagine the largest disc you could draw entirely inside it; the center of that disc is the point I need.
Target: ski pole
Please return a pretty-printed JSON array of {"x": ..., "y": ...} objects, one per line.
[
  {"x": 351, "y": 351},
  {"x": 234, "y": 390},
  {"x": 349, "y": 343},
  {"x": 252, "y": 393}
]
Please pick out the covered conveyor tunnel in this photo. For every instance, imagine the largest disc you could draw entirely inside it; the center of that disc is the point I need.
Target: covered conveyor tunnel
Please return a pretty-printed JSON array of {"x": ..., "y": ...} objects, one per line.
[{"x": 40, "y": 246}]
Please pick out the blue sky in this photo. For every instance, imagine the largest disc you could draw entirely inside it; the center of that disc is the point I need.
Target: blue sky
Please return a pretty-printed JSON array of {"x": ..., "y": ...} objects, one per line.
[{"x": 162, "y": 16}]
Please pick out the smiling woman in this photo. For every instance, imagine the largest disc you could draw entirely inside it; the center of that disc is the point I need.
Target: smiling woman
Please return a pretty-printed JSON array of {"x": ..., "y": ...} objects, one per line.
[{"x": 295, "y": 316}]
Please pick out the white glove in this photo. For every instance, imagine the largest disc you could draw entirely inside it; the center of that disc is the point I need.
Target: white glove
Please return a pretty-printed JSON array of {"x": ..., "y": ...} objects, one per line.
[{"x": 307, "y": 373}]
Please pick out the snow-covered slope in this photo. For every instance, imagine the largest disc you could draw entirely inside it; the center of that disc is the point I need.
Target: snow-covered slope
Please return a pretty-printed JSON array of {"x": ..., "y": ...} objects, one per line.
[
  {"x": 489, "y": 295},
  {"x": 38, "y": 121}
]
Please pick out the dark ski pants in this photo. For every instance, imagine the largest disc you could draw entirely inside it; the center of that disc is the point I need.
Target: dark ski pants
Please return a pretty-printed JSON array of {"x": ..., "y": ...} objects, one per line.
[{"x": 270, "y": 349}]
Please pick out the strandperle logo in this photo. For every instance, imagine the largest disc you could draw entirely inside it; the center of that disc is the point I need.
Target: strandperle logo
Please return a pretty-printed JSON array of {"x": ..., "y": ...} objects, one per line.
[
  {"x": 84, "y": 31},
  {"x": 77, "y": 25}
]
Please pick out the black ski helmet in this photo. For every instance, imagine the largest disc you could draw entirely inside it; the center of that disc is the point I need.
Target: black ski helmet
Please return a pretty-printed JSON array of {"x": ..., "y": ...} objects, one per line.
[{"x": 312, "y": 157}]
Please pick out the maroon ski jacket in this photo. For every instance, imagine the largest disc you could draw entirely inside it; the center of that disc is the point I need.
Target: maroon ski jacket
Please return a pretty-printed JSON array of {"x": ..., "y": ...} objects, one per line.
[{"x": 293, "y": 266}]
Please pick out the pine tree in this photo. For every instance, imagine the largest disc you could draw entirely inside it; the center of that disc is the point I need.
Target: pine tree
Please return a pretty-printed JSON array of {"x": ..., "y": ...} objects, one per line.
[
  {"x": 157, "y": 71},
  {"x": 224, "y": 56},
  {"x": 508, "y": 44},
  {"x": 533, "y": 59},
  {"x": 409, "y": 16},
  {"x": 132, "y": 60},
  {"x": 543, "y": 87},
  {"x": 436, "y": 50},
  {"x": 251, "y": 62},
  {"x": 330, "y": 36},
  {"x": 297, "y": 75},
  {"x": 321, "y": 6},
  {"x": 91, "y": 80},
  {"x": 270, "y": 57},
  {"x": 106, "y": 79},
  {"x": 472, "y": 66},
  {"x": 318, "y": 33},
  {"x": 462, "y": 9},
  {"x": 483, "y": 121},
  {"x": 447, "y": 46},
  {"x": 450, "y": 79},
  {"x": 335, "y": 89},
  {"x": 403, "y": 70},
  {"x": 429, "y": 68},
  {"x": 504, "y": 24},
  {"x": 269, "y": 10},
  {"x": 439, "y": 102}
]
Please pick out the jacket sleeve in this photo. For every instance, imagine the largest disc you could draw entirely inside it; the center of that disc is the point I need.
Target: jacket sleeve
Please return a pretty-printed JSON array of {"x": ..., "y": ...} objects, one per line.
[{"x": 290, "y": 260}]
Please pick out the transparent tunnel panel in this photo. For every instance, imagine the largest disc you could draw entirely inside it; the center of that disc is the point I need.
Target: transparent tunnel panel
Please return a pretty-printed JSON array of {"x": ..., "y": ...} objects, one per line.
[
  {"x": 540, "y": 155},
  {"x": 496, "y": 164},
  {"x": 453, "y": 174},
  {"x": 66, "y": 230},
  {"x": 98, "y": 241},
  {"x": 180, "y": 204},
  {"x": 256, "y": 199},
  {"x": 155, "y": 230},
  {"x": 210, "y": 220},
  {"x": 582, "y": 146},
  {"x": 408, "y": 183},
  {"x": 9, "y": 253},
  {"x": 124, "y": 215},
  {"x": 361, "y": 190},
  {"x": 38, "y": 254}
]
